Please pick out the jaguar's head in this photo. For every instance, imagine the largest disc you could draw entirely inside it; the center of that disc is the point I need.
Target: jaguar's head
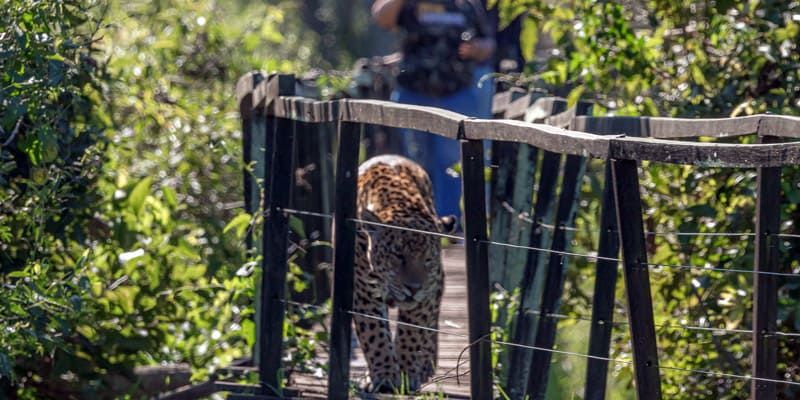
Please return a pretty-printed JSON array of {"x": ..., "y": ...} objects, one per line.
[{"x": 408, "y": 258}]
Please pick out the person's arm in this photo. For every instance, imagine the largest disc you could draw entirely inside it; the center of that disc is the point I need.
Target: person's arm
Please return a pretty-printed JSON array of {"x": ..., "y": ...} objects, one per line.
[
  {"x": 481, "y": 47},
  {"x": 385, "y": 12}
]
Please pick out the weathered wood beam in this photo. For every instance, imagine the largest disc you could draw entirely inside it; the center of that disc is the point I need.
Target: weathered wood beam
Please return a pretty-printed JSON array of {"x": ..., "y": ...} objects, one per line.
[
  {"x": 425, "y": 119},
  {"x": 637, "y": 279},
  {"x": 475, "y": 237},
  {"x": 275, "y": 246},
  {"x": 765, "y": 286},
  {"x": 343, "y": 259}
]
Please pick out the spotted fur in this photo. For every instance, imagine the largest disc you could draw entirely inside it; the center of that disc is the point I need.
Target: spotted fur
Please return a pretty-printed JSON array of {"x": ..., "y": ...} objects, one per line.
[{"x": 397, "y": 268}]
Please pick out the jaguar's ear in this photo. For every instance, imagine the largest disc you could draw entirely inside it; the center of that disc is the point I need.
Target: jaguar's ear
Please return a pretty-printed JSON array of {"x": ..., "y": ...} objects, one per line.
[{"x": 449, "y": 223}]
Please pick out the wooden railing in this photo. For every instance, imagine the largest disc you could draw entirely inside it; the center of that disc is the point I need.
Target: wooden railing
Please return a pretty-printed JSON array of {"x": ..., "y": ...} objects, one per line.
[{"x": 271, "y": 118}]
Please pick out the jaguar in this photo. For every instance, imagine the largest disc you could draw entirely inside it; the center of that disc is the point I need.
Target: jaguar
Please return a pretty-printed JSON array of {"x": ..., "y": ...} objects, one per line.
[{"x": 398, "y": 264}]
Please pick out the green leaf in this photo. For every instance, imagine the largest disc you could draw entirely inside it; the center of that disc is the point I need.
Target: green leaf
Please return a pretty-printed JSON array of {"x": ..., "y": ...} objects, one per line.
[
  {"x": 575, "y": 95},
  {"x": 170, "y": 196},
  {"x": 240, "y": 223},
  {"x": 296, "y": 225},
  {"x": 249, "y": 332},
  {"x": 650, "y": 107},
  {"x": 528, "y": 38},
  {"x": 147, "y": 303},
  {"x": 139, "y": 194},
  {"x": 17, "y": 274},
  {"x": 697, "y": 75}
]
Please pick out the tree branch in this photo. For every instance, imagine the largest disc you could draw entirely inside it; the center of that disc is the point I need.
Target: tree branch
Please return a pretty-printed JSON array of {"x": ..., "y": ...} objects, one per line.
[{"x": 13, "y": 133}]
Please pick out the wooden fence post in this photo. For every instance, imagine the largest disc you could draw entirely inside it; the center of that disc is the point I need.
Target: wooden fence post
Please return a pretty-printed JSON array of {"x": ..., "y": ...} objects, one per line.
[
  {"x": 307, "y": 194},
  {"x": 524, "y": 328},
  {"x": 513, "y": 173},
  {"x": 765, "y": 288},
  {"x": 504, "y": 160},
  {"x": 475, "y": 237},
  {"x": 259, "y": 154},
  {"x": 511, "y": 193},
  {"x": 605, "y": 283},
  {"x": 605, "y": 286},
  {"x": 637, "y": 279},
  {"x": 254, "y": 133},
  {"x": 244, "y": 92},
  {"x": 343, "y": 258},
  {"x": 554, "y": 281},
  {"x": 274, "y": 238},
  {"x": 512, "y": 182}
]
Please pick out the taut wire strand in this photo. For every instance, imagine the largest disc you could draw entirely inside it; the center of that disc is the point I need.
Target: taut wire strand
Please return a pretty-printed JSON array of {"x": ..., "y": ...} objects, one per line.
[
  {"x": 308, "y": 213},
  {"x": 564, "y": 253},
  {"x": 403, "y": 228}
]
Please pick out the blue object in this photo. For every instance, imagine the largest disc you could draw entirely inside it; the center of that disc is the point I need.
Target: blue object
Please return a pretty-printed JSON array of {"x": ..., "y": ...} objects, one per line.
[{"x": 437, "y": 154}]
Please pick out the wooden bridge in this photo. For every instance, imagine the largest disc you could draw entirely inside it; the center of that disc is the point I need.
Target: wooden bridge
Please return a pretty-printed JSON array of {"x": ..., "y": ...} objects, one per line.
[{"x": 557, "y": 141}]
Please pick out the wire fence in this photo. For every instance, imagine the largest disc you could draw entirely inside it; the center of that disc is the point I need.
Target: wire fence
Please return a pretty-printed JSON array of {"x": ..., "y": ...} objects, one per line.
[
  {"x": 710, "y": 329},
  {"x": 525, "y": 216},
  {"x": 713, "y": 330},
  {"x": 557, "y": 351},
  {"x": 705, "y": 268},
  {"x": 647, "y": 140},
  {"x": 587, "y": 256}
]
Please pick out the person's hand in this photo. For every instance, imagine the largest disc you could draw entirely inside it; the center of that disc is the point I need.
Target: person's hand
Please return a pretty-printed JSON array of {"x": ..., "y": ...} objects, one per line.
[
  {"x": 476, "y": 49},
  {"x": 467, "y": 50}
]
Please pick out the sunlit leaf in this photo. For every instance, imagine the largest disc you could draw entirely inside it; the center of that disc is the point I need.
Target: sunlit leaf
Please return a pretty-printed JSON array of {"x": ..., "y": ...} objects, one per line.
[
  {"x": 296, "y": 225},
  {"x": 138, "y": 194},
  {"x": 239, "y": 223}
]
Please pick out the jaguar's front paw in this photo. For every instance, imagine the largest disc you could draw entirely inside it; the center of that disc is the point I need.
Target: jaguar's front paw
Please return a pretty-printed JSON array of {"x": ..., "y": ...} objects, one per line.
[{"x": 381, "y": 385}]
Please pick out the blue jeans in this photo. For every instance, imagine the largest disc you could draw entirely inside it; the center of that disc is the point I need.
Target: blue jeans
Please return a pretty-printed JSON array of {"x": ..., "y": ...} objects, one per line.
[{"x": 437, "y": 154}]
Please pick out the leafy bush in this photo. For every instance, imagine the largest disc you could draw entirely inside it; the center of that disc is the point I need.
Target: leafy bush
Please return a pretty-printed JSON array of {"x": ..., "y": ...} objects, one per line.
[
  {"x": 119, "y": 169},
  {"x": 687, "y": 59},
  {"x": 50, "y": 159}
]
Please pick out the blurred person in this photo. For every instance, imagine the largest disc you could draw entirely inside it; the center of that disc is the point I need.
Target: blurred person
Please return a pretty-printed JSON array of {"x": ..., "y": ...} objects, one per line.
[{"x": 447, "y": 47}]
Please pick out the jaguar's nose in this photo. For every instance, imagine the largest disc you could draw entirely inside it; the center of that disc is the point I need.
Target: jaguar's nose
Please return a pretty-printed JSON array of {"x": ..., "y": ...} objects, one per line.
[{"x": 413, "y": 288}]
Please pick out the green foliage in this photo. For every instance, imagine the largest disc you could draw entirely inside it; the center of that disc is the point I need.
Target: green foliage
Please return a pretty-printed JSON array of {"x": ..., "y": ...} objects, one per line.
[
  {"x": 503, "y": 306},
  {"x": 176, "y": 65},
  {"x": 51, "y": 129},
  {"x": 687, "y": 59},
  {"x": 49, "y": 123},
  {"x": 119, "y": 173},
  {"x": 668, "y": 58}
]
